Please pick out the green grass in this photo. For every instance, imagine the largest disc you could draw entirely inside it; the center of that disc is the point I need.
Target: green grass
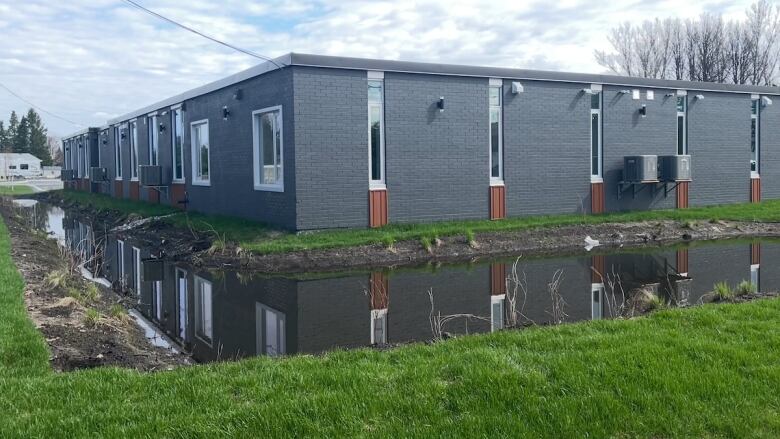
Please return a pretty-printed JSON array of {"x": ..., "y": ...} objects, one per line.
[
  {"x": 259, "y": 238},
  {"x": 18, "y": 189},
  {"x": 712, "y": 371}
]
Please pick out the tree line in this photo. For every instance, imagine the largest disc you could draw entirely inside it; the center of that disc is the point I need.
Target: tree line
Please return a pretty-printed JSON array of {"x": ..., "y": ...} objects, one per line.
[
  {"x": 704, "y": 49},
  {"x": 27, "y": 134}
]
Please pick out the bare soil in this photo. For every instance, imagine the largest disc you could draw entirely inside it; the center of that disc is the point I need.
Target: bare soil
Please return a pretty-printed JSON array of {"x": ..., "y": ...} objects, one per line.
[{"x": 74, "y": 342}]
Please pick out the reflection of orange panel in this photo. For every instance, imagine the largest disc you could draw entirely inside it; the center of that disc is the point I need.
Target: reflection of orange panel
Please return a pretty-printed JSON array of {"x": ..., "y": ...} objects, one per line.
[
  {"x": 119, "y": 189},
  {"x": 755, "y": 253},
  {"x": 682, "y": 196},
  {"x": 598, "y": 263},
  {"x": 597, "y": 204},
  {"x": 755, "y": 190},
  {"x": 497, "y": 279},
  {"x": 377, "y": 208},
  {"x": 682, "y": 260},
  {"x": 497, "y": 202},
  {"x": 177, "y": 195},
  {"x": 134, "y": 190},
  {"x": 379, "y": 290},
  {"x": 85, "y": 185}
]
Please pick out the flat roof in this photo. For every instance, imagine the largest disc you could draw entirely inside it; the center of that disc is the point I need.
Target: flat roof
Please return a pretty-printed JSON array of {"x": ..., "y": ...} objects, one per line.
[{"x": 340, "y": 62}]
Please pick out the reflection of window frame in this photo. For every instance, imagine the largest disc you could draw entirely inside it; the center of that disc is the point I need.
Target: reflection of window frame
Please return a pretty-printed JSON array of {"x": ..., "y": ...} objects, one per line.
[
  {"x": 497, "y": 316},
  {"x": 137, "y": 270},
  {"x": 181, "y": 302},
  {"x": 379, "y": 316},
  {"x": 261, "y": 320},
  {"x": 120, "y": 254},
  {"x": 204, "y": 310},
  {"x": 596, "y": 301},
  {"x": 755, "y": 276},
  {"x": 157, "y": 299}
]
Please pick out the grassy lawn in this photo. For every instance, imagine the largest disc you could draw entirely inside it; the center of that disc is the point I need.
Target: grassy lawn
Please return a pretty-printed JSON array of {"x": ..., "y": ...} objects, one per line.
[
  {"x": 261, "y": 239},
  {"x": 18, "y": 189},
  {"x": 711, "y": 371}
]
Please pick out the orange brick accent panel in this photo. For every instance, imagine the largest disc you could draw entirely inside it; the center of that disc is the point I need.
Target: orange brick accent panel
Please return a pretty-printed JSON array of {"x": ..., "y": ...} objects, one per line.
[
  {"x": 755, "y": 190},
  {"x": 119, "y": 189},
  {"x": 755, "y": 253},
  {"x": 597, "y": 269},
  {"x": 134, "y": 190},
  {"x": 178, "y": 194},
  {"x": 682, "y": 260},
  {"x": 153, "y": 195},
  {"x": 377, "y": 208},
  {"x": 497, "y": 279},
  {"x": 379, "y": 290},
  {"x": 682, "y": 196},
  {"x": 497, "y": 202},
  {"x": 597, "y": 204}
]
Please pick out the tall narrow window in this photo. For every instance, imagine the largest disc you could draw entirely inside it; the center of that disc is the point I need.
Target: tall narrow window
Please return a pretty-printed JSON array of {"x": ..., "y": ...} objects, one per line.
[
  {"x": 153, "y": 140},
  {"x": 755, "y": 114},
  {"x": 204, "y": 326},
  {"x": 496, "y": 140},
  {"x": 181, "y": 301},
  {"x": 682, "y": 125},
  {"x": 200, "y": 153},
  {"x": 133, "y": 136},
  {"x": 376, "y": 130},
  {"x": 118, "y": 151},
  {"x": 268, "y": 163},
  {"x": 177, "y": 140},
  {"x": 66, "y": 153},
  {"x": 595, "y": 134}
]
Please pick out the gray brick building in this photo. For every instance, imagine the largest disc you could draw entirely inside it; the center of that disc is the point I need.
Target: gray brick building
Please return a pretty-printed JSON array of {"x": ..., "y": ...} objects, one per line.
[{"x": 312, "y": 142}]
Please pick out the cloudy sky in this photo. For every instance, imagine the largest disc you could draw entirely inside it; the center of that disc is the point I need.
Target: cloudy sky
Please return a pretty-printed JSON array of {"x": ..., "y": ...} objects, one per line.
[{"x": 88, "y": 61}]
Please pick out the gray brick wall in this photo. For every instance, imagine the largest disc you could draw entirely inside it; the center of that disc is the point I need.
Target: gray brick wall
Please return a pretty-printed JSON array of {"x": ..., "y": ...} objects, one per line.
[{"x": 719, "y": 144}]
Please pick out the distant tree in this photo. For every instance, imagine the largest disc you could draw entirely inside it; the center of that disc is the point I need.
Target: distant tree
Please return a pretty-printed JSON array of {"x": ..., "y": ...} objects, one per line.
[
  {"x": 38, "y": 135},
  {"x": 55, "y": 150},
  {"x": 21, "y": 140},
  {"x": 10, "y": 132},
  {"x": 4, "y": 144}
]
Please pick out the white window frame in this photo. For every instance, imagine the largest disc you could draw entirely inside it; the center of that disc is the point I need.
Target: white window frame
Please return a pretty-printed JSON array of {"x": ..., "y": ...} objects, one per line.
[
  {"x": 157, "y": 299},
  {"x": 132, "y": 136},
  {"x": 120, "y": 255},
  {"x": 684, "y": 114},
  {"x": 498, "y": 299},
  {"x": 153, "y": 138},
  {"x": 757, "y": 118},
  {"x": 195, "y": 152},
  {"x": 381, "y": 183},
  {"x": 182, "y": 304},
  {"x": 200, "y": 322},
  {"x": 137, "y": 270},
  {"x": 261, "y": 312},
  {"x": 117, "y": 130},
  {"x": 257, "y": 154},
  {"x": 599, "y": 177},
  {"x": 597, "y": 306},
  {"x": 177, "y": 109},
  {"x": 496, "y": 181}
]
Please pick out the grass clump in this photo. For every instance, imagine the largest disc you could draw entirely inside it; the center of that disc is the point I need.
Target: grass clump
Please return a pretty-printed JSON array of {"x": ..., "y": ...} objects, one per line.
[
  {"x": 118, "y": 312},
  {"x": 388, "y": 241},
  {"x": 745, "y": 288},
  {"x": 91, "y": 318},
  {"x": 426, "y": 244},
  {"x": 723, "y": 291},
  {"x": 58, "y": 279}
]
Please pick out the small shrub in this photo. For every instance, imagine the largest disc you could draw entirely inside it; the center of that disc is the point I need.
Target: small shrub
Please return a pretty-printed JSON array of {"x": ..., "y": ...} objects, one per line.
[
  {"x": 91, "y": 318},
  {"x": 426, "y": 243},
  {"x": 688, "y": 225},
  {"x": 118, "y": 312},
  {"x": 470, "y": 238},
  {"x": 744, "y": 288},
  {"x": 388, "y": 241},
  {"x": 723, "y": 291},
  {"x": 91, "y": 293},
  {"x": 58, "y": 279}
]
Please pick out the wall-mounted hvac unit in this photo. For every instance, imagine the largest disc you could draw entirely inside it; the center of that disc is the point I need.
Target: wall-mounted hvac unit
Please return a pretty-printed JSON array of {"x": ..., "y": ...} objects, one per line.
[
  {"x": 640, "y": 168},
  {"x": 98, "y": 174},
  {"x": 67, "y": 175},
  {"x": 68, "y": 223},
  {"x": 675, "y": 167},
  {"x": 152, "y": 270},
  {"x": 150, "y": 175}
]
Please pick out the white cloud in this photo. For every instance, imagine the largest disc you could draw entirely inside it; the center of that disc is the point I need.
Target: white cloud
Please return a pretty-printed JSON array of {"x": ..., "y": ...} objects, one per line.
[{"x": 86, "y": 60}]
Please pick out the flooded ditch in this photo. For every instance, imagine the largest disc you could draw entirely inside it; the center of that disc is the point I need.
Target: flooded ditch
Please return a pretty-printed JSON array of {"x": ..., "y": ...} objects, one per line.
[{"x": 223, "y": 314}]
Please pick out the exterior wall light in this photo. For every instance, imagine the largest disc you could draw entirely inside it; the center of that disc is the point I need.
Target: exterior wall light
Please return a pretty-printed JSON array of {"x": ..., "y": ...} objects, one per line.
[
  {"x": 643, "y": 110},
  {"x": 238, "y": 94},
  {"x": 162, "y": 127},
  {"x": 625, "y": 92},
  {"x": 766, "y": 101},
  {"x": 588, "y": 91},
  {"x": 225, "y": 112},
  {"x": 699, "y": 97},
  {"x": 517, "y": 88},
  {"x": 440, "y": 104}
]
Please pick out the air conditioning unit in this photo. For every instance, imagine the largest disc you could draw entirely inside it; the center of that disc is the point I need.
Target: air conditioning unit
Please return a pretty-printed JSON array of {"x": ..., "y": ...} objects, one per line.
[
  {"x": 67, "y": 175},
  {"x": 98, "y": 174},
  {"x": 150, "y": 175},
  {"x": 152, "y": 270},
  {"x": 68, "y": 223},
  {"x": 675, "y": 167},
  {"x": 640, "y": 168}
]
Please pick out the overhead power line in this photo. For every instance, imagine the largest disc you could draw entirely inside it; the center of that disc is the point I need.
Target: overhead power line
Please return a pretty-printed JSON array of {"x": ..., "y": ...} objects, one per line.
[
  {"x": 39, "y": 108},
  {"x": 197, "y": 32}
]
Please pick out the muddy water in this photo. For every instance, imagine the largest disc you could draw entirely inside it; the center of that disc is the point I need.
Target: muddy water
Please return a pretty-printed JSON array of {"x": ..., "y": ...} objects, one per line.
[{"x": 228, "y": 314}]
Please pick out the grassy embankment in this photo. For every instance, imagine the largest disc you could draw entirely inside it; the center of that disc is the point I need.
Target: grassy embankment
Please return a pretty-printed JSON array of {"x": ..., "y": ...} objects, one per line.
[
  {"x": 16, "y": 190},
  {"x": 711, "y": 371},
  {"x": 260, "y": 239}
]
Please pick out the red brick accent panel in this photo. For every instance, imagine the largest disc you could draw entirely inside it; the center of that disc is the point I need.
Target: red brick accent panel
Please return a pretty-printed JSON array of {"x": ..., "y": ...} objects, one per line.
[
  {"x": 682, "y": 196},
  {"x": 377, "y": 208},
  {"x": 597, "y": 203},
  {"x": 497, "y": 202},
  {"x": 755, "y": 190}
]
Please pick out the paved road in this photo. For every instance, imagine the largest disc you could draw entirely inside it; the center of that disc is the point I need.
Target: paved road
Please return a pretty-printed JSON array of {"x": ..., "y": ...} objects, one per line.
[{"x": 40, "y": 185}]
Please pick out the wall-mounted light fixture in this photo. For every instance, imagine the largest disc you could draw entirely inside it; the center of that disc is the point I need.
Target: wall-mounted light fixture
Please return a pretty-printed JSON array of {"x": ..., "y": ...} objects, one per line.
[
  {"x": 588, "y": 91},
  {"x": 643, "y": 110},
  {"x": 123, "y": 135},
  {"x": 183, "y": 106},
  {"x": 766, "y": 101},
  {"x": 162, "y": 127},
  {"x": 225, "y": 112},
  {"x": 440, "y": 104},
  {"x": 517, "y": 88},
  {"x": 699, "y": 97},
  {"x": 625, "y": 92},
  {"x": 669, "y": 95},
  {"x": 238, "y": 94}
]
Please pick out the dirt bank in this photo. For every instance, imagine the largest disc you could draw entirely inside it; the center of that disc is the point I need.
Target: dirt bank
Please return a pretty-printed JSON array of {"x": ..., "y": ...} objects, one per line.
[
  {"x": 86, "y": 325},
  {"x": 191, "y": 247}
]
